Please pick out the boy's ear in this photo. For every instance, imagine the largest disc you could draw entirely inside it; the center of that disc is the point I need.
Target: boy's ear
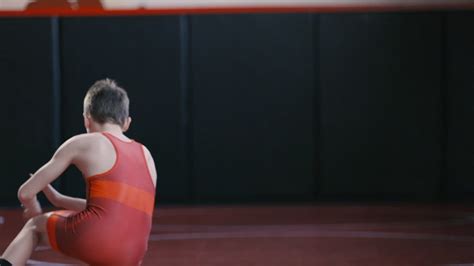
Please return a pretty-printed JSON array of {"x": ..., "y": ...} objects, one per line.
[
  {"x": 87, "y": 122},
  {"x": 127, "y": 123}
]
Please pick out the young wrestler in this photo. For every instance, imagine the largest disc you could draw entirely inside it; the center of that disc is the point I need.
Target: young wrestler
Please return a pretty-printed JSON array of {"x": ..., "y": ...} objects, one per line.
[{"x": 112, "y": 226}]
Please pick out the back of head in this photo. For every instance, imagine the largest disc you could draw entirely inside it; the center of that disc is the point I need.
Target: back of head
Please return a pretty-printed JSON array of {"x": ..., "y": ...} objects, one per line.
[{"x": 106, "y": 102}]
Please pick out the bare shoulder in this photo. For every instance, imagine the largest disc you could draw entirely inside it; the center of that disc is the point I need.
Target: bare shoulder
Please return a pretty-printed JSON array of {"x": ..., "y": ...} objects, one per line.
[
  {"x": 92, "y": 153},
  {"x": 83, "y": 146},
  {"x": 148, "y": 156},
  {"x": 147, "y": 152},
  {"x": 150, "y": 163},
  {"x": 86, "y": 140}
]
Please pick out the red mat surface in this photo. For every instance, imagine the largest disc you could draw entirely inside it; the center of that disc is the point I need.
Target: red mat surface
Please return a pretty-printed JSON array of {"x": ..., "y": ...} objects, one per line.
[{"x": 296, "y": 236}]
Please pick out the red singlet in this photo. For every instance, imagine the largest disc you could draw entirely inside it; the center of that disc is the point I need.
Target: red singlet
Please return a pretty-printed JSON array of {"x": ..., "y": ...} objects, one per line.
[{"x": 115, "y": 226}]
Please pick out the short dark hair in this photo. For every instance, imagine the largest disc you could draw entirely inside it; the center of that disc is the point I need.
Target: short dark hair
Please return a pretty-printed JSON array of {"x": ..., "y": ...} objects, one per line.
[{"x": 106, "y": 102}]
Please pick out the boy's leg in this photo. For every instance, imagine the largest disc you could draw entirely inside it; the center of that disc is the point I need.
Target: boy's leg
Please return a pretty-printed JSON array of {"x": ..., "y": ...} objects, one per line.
[{"x": 34, "y": 231}]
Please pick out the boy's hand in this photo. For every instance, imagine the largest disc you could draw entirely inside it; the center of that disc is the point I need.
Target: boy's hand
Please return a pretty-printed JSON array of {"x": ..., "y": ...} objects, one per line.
[{"x": 32, "y": 209}]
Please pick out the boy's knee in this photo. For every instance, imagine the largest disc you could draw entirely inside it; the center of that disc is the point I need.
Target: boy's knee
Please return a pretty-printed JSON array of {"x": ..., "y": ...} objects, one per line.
[
  {"x": 30, "y": 224},
  {"x": 38, "y": 223}
]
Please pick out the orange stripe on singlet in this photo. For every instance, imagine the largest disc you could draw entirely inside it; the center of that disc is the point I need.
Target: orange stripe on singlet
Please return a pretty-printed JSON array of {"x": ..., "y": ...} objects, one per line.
[
  {"x": 51, "y": 228},
  {"x": 128, "y": 195}
]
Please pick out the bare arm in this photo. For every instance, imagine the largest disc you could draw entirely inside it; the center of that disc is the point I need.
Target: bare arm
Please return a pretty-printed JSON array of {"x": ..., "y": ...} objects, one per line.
[
  {"x": 62, "y": 201},
  {"x": 63, "y": 157}
]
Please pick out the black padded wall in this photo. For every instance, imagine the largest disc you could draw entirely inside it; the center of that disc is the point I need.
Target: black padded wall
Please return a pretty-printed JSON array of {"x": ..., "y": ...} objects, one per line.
[
  {"x": 142, "y": 54},
  {"x": 252, "y": 81},
  {"x": 460, "y": 85},
  {"x": 380, "y": 106},
  {"x": 256, "y": 107},
  {"x": 25, "y": 69}
]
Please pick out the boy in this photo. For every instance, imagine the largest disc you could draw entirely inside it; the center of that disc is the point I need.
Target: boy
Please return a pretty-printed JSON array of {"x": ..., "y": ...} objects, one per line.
[{"x": 112, "y": 226}]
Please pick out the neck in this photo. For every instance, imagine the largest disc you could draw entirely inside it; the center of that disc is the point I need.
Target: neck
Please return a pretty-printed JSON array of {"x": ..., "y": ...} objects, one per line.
[{"x": 110, "y": 128}]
